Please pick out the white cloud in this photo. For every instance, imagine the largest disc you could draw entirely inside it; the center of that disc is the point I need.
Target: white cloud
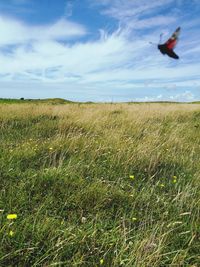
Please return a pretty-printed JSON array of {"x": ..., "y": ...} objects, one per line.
[
  {"x": 113, "y": 61},
  {"x": 185, "y": 96},
  {"x": 110, "y": 59},
  {"x": 15, "y": 32}
]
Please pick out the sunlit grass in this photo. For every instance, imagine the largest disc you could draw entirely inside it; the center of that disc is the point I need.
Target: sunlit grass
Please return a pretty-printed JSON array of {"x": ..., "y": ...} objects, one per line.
[{"x": 99, "y": 185}]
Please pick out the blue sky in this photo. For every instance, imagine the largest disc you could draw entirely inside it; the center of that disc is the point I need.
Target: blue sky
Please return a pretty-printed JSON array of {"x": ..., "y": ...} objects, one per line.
[{"x": 92, "y": 50}]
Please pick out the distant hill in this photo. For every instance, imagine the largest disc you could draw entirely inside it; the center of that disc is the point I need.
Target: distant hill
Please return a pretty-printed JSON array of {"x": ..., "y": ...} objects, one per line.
[{"x": 54, "y": 101}]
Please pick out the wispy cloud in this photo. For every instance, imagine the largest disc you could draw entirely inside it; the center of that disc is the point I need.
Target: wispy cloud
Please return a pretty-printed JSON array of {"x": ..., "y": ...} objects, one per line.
[
  {"x": 68, "y": 8},
  {"x": 121, "y": 9},
  {"x": 137, "y": 11}
]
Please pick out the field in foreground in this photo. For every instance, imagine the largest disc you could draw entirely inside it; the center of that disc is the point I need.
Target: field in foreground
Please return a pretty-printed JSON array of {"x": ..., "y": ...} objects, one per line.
[{"x": 100, "y": 185}]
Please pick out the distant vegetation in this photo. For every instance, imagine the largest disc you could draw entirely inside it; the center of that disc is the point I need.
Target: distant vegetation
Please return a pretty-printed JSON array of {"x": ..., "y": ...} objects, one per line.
[{"x": 99, "y": 184}]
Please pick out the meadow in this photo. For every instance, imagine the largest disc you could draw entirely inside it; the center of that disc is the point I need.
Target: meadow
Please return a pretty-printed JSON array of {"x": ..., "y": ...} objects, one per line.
[{"x": 99, "y": 184}]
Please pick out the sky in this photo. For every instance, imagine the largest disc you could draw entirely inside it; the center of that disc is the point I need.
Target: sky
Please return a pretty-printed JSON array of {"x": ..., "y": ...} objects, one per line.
[{"x": 98, "y": 50}]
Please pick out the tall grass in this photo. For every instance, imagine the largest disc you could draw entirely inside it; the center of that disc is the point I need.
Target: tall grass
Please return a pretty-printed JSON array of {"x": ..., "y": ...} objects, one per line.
[{"x": 100, "y": 185}]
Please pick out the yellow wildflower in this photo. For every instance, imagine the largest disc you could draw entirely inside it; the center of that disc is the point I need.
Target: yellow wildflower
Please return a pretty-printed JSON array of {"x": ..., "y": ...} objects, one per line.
[
  {"x": 101, "y": 261},
  {"x": 134, "y": 219},
  {"x": 11, "y": 216},
  {"x": 50, "y": 148},
  {"x": 132, "y": 177},
  {"x": 11, "y": 233}
]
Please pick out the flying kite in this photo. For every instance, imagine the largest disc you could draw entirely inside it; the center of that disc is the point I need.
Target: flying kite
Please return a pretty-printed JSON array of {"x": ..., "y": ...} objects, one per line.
[{"x": 167, "y": 47}]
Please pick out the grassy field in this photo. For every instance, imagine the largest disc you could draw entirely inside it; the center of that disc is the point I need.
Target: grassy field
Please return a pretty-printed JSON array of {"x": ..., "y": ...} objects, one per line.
[{"x": 100, "y": 185}]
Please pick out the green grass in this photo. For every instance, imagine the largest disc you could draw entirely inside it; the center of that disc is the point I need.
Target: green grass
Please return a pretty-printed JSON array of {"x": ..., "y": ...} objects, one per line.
[{"x": 65, "y": 171}]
